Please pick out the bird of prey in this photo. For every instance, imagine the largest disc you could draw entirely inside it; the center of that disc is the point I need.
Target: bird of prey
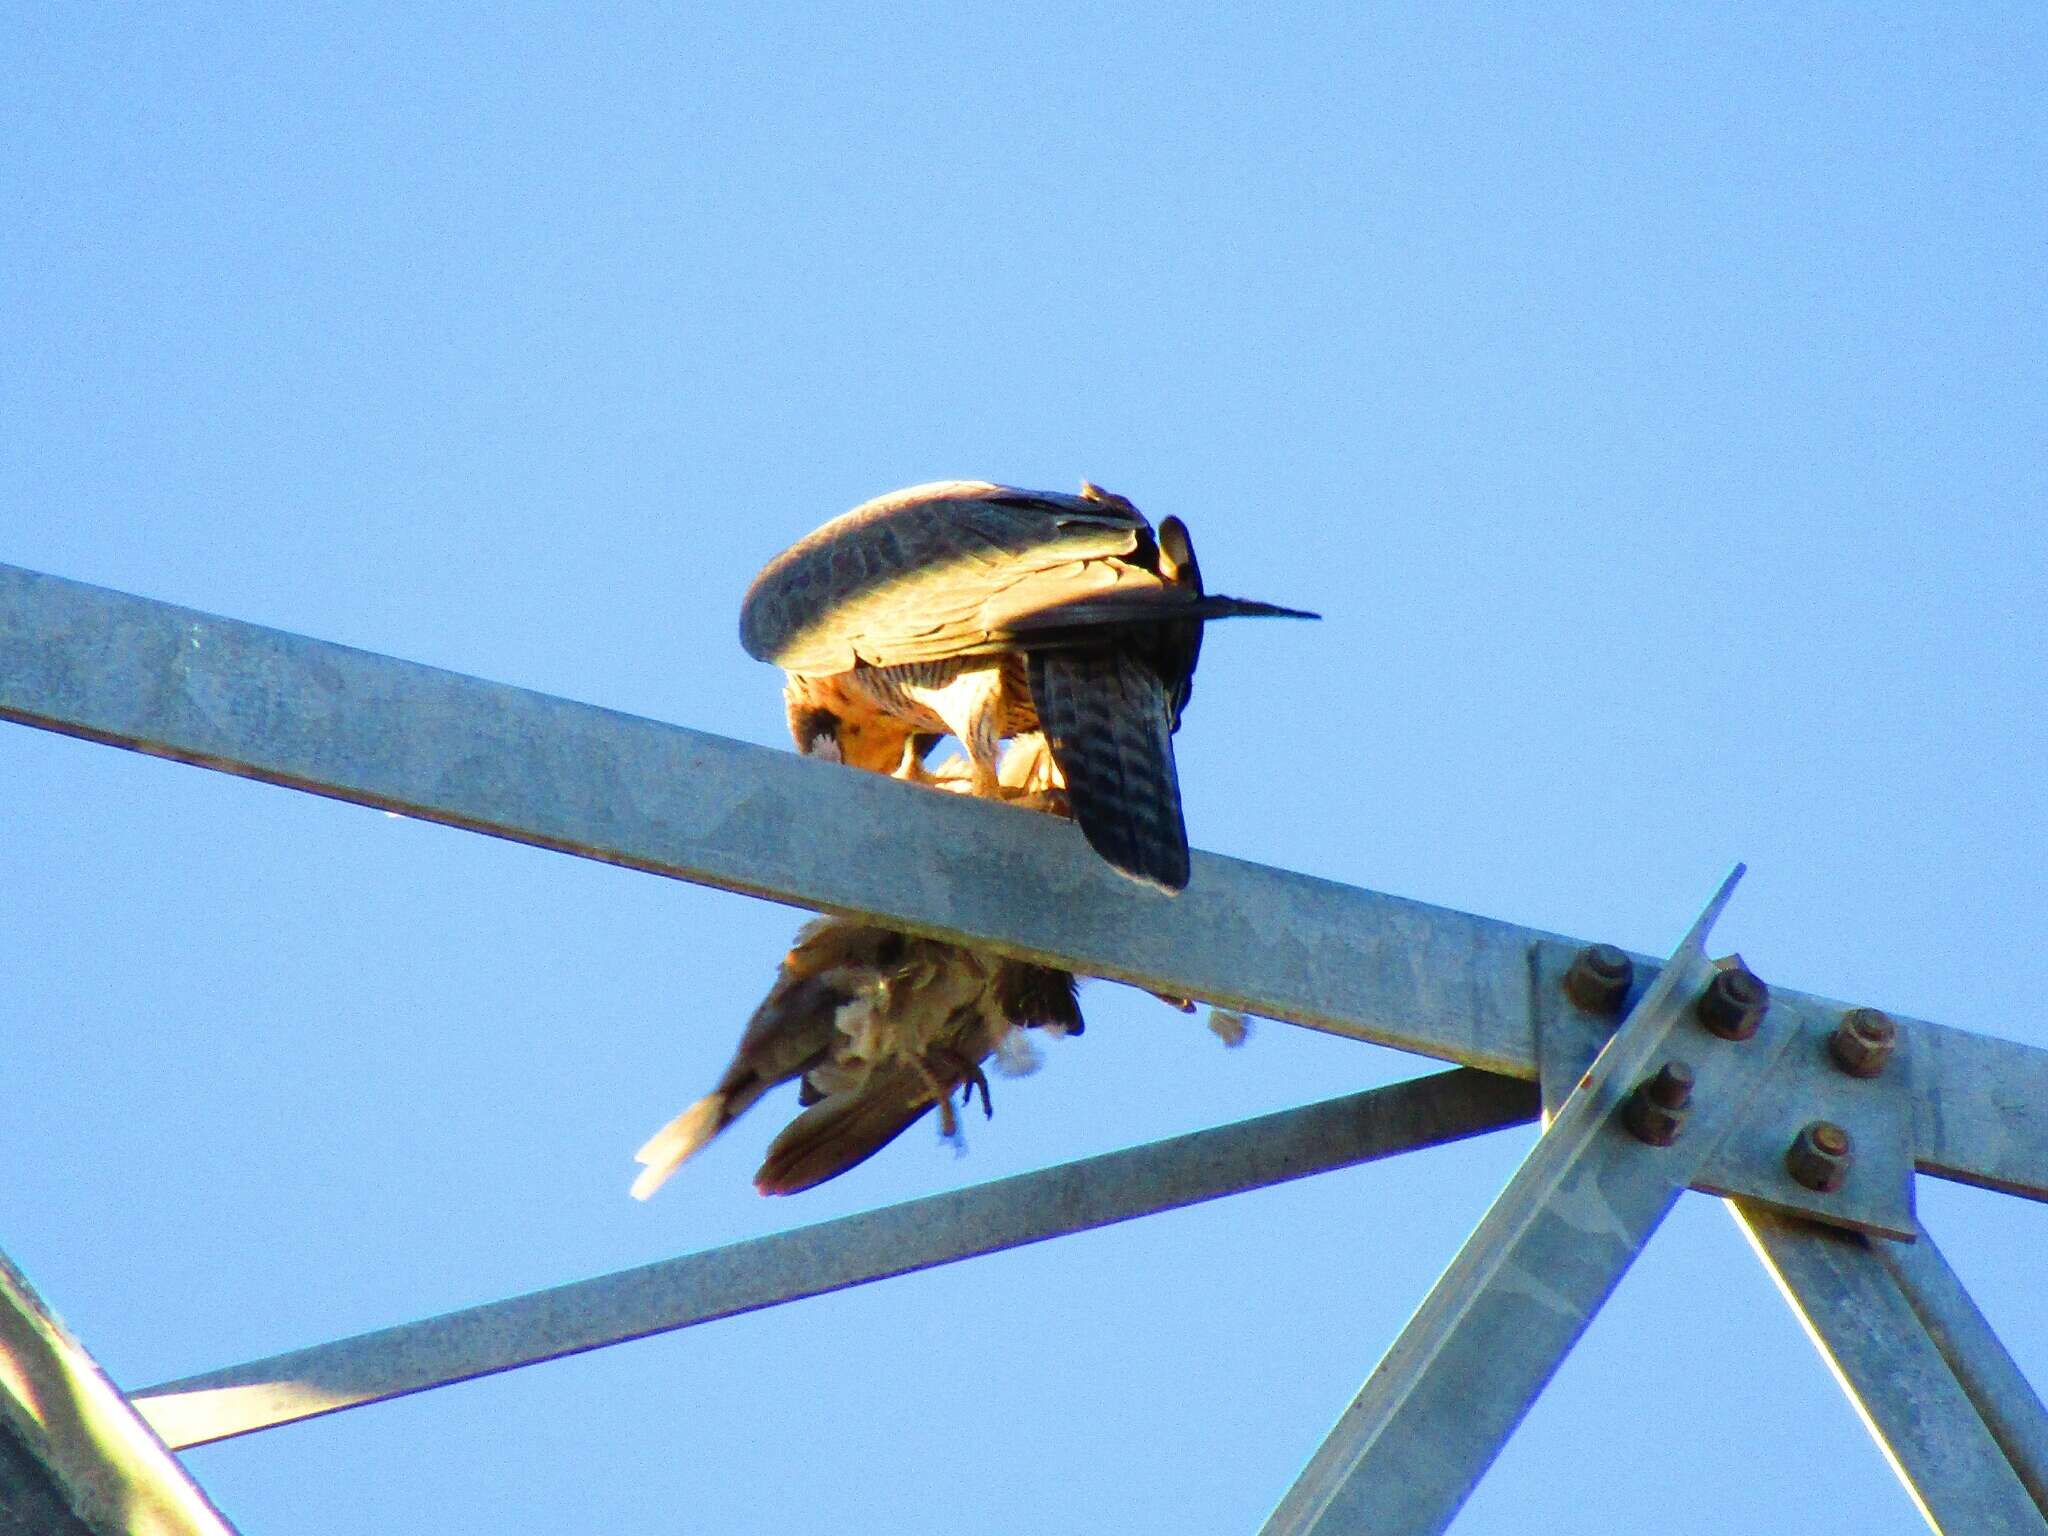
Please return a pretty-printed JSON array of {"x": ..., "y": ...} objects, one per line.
[
  {"x": 880, "y": 1026},
  {"x": 987, "y": 611}
]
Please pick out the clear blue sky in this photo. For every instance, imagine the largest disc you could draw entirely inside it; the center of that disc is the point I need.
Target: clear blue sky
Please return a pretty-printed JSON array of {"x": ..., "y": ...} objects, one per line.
[{"x": 1652, "y": 399}]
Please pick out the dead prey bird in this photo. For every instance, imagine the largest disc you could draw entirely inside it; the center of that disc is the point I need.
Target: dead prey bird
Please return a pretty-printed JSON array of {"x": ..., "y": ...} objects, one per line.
[
  {"x": 987, "y": 612},
  {"x": 880, "y": 1026}
]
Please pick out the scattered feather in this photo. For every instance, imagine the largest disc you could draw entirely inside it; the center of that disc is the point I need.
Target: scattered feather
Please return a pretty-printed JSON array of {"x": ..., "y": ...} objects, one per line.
[
  {"x": 1017, "y": 1055},
  {"x": 1229, "y": 1026}
]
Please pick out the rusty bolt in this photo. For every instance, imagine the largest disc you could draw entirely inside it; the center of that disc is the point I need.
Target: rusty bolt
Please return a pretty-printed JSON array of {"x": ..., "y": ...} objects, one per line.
[
  {"x": 1734, "y": 1003},
  {"x": 1599, "y": 978},
  {"x": 1862, "y": 1043},
  {"x": 1819, "y": 1157},
  {"x": 1656, "y": 1110}
]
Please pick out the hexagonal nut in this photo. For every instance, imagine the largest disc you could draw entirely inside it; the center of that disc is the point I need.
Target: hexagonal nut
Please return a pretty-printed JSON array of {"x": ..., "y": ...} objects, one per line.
[
  {"x": 1653, "y": 1123},
  {"x": 1734, "y": 1003},
  {"x": 1655, "y": 1112},
  {"x": 1863, "y": 1042},
  {"x": 1819, "y": 1157},
  {"x": 1599, "y": 978}
]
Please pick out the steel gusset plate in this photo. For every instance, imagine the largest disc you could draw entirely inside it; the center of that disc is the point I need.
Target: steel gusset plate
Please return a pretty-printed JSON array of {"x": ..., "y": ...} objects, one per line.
[{"x": 1804, "y": 1086}]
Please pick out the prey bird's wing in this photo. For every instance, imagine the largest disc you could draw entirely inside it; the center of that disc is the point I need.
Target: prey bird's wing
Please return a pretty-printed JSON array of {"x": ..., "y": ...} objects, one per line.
[
  {"x": 844, "y": 1130},
  {"x": 951, "y": 569}
]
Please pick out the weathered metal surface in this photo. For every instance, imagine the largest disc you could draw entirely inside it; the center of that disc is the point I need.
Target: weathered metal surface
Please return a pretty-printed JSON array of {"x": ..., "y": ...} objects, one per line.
[
  {"x": 1493, "y": 1330},
  {"x": 1807, "y": 1087},
  {"x": 1924, "y": 1421},
  {"x": 573, "y": 777},
  {"x": 1989, "y": 1377},
  {"x": 810, "y": 1261},
  {"x": 74, "y": 1458},
  {"x": 1980, "y": 1108},
  {"x": 1571, "y": 1029}
]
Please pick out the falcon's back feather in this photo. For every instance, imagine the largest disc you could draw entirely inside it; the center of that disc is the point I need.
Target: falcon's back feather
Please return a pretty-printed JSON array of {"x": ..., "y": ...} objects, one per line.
[{"x": 937, "y": 570}]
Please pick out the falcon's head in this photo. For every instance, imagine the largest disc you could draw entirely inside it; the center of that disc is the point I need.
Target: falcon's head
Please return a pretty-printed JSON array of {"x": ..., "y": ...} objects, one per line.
[{"x": 860, "y": 739}]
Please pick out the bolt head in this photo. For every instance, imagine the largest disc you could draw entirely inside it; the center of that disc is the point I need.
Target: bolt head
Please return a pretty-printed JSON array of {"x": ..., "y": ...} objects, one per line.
[
  {"x": 1671, "y": 1088},
  {"x": 1655, "y": 1112},
  {"x": 1599, "y": 978},
  {"x": 1819, "y": 1157},
  {"x": 1862, "y": 1043},
  {"x": 1734, "y": 1004}
]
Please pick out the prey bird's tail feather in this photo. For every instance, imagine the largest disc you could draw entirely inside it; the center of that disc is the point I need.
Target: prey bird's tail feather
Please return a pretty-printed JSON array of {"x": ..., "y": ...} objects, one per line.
[
  {"x": 685, "y": 1136},
  {"x": 675, "y": 1143},
  {"x": 790, "y": 1032},
  {"x": 1108, "y": 718}
]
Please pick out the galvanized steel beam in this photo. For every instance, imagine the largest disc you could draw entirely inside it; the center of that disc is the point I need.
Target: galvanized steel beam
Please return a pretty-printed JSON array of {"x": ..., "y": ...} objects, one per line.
[
  {"x": 402, "y": 737},
  {"x": 392, "y": 734},
  {"x": 1432, "y": 1417},
  {"x": 1864, "y": 1323},
  {"x": 1989, "y": 1377},
  {"x": 1981, "y": 1106},
  {"x": 833, "y": 1255}
]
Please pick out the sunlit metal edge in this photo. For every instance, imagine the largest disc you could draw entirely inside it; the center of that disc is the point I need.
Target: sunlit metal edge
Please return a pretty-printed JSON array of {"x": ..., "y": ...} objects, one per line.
[{"x": 1987, "y": 1373}]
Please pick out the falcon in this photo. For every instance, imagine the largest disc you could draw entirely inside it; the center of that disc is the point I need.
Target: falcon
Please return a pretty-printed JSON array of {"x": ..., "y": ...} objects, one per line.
[
  {"x": 986, "y": 612},
  {"x": 880, "y": 1026}
]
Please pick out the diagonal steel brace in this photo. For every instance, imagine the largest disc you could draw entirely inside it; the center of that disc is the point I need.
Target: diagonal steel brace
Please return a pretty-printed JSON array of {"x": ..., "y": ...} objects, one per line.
[{"x": 1493, "y": 1330}]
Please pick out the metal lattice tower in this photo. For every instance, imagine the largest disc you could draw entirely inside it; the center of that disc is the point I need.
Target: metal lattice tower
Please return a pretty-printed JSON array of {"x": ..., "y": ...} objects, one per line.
[{"x": 1812, "y": 1118}]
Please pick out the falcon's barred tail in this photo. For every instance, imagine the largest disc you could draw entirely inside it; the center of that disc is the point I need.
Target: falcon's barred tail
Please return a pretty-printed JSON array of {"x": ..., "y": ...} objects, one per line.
[
  {"x": 843, "y": 1132},
  {"x": 1108, "y": 718}
]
